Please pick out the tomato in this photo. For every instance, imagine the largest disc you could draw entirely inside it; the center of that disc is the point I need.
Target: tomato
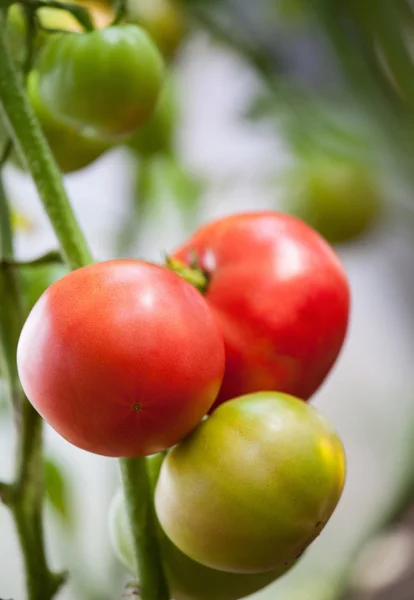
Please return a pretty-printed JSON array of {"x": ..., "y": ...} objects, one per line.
[
  {"x": 104, "y": 83},
  {"x": 122, "y": 358},
  {"x": 253, "y": 485},
  {"x": 164, "y": 20},
  {"x": 337, "y": 197},
  {"x": 156, "y": 136},
  {"x": 187, "y": 579},
  {"x": 71, "y": 149},
  {"x": 280, "y": 296}
]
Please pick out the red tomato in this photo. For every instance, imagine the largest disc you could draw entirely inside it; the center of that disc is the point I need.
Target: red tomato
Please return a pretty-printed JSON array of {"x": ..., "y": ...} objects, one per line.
[
  {"x": 280, "y": 296},
  {"x": 122, "y": 358}
]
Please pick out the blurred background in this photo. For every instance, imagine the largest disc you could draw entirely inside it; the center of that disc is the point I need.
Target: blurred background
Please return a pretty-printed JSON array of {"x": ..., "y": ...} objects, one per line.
[{"x": 304, "y": 107}]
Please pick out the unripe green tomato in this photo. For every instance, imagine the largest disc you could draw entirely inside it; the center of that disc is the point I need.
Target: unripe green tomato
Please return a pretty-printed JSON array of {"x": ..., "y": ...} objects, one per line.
[
  {"x": 156, "y": 136},
  {"x": 71, "y": 149},
  {"x": 187, "y": 579},
  {"x": 105, "y": 83},
  {"x": 338, "y": 198},
  {"x": 164, "y": 20},
  {"x": 253, "y": 485}
]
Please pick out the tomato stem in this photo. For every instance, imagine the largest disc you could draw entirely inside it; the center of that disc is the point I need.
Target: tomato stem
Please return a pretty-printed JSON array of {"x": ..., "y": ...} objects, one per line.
[
  {"x": 30, "y": 141},
  {"x": 141, "y": 512},
  {"x": 193, "y": 275},
  {"x": 24, "y": 496}
]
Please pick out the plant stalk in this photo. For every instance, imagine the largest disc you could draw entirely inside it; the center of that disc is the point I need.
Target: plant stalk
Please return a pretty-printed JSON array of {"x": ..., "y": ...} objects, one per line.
[{"x": 30, "y": 141}]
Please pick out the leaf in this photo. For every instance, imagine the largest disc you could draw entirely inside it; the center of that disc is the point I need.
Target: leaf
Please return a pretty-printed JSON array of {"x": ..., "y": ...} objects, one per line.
[{"x": 57, "y": 491}]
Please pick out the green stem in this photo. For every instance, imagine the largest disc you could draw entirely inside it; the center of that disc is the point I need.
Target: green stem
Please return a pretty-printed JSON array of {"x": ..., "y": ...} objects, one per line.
[
  {"x": 141, "y": 514},
  {"x": 27, "y": 134},
  {"x": 25, "y": 495},
  {"x": 121, "y": 11},
  {"x": 30, "y": 141}
]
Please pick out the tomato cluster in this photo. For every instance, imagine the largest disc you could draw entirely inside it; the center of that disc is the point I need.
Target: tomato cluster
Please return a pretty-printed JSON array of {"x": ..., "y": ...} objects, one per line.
[
  {"x": 126, "y": 358},
  {"x": 97, "y": 89}
]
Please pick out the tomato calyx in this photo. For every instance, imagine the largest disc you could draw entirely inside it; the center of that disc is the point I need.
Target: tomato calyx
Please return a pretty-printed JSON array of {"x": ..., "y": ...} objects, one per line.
[{"x": 193, "y": 274}]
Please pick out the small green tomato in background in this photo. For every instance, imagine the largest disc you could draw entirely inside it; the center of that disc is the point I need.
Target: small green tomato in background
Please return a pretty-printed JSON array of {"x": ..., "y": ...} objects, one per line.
[
  {"x": 187, "y": 579},
  {"x": 156, "y": 136},
  {"x": 104, "y": 83},
  {"x": 164, "y": 20},
  {"x": 338, "y": 198},
  {"x": 71, "y": 149},
  {"x": 253, "y": 485}
]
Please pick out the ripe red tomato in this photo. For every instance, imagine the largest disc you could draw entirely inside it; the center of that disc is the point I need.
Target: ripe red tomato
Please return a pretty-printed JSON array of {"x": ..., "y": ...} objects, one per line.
[
  {"x": 281, "y": 298},
  {"x": 122, "y": 358}
]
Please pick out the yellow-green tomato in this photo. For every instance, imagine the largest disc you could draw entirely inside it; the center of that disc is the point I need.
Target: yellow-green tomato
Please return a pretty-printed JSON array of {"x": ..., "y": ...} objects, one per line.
[
  {"x": 164, "y": 20},
  {"x": 187, "y": 579},
  {"x": 338, "y": 198},
  {"x": 253, "y": 485},
  {"x": 104, "y": 83},
  {"x": 72, "y": 150},
  {"x": 156, "y": 136}
]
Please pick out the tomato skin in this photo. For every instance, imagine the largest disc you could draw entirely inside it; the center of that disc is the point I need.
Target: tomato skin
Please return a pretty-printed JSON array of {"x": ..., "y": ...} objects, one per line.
[
  {"x": 253, "y": 485},
  {"x": 281, "y": 299},
  {"x": 187, "y": 579},
  {"x": 336, "y": 197},
  {"x": 71, "y": 149},
  {"x": 122, "y": 358},
  {"x": 104, "y": 83}
]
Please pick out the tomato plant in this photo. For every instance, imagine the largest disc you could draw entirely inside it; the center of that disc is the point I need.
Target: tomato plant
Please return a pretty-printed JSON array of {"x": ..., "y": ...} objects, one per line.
[
  {"x": 104, "y": 83},
  {"x": 337, "y": 197},
  {"x": 164, "y": 20},
  {"x": 187, "y": 579},
  {"x": 122, "y": 358},
  {"x": 280, "y": 296},
  {"x": 253, "y": 485}
]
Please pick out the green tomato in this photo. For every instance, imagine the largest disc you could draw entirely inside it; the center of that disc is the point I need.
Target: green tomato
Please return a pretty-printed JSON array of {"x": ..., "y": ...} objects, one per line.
[
  {"x": 187, "y": 579},
  {"x": 105, "y": 83},
  {"x": 253, "y": 485},
  {"x": 164, "y": 20},
  {"x": 336, "y": 197},
  {"x": 71, "y": 149},
  {"x": 156, "y": 137}
]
